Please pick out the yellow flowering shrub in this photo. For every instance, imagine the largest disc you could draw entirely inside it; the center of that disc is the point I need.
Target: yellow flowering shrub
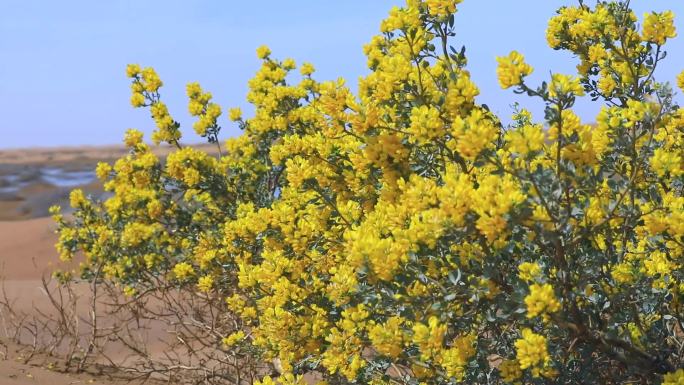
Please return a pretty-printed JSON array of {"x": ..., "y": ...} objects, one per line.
[{"x": 405, "y": 233}]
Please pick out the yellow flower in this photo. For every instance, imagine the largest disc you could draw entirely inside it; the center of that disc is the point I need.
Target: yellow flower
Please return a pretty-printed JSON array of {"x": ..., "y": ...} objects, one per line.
[
  {"x": 680, "y": 80},
  {"x": 659, "y": 27},
  {"x": 402, "y": 18},
  {"x": 133, "y": 138},
  {"x": 135, "y": 233},
  {"x": 132, "y": 70},
  {"x": 429, "y": 338},
  {"x": 510, "y": 371},
  {"x": 529, "y": 271},
  {"x": 76, "y": 198},
  {"x": 205, "y": 284},
  {"x": 512, "y": 69},
  {"x": 666, "y": 162},
  {"x": 167, "y": 128},
  {"x": 525, "y": 140},
  {"x": 200, "y": 105},
  {"x": 103, "y": 170},
  {"x": 233, "y": 338},
  {"x": 235, "y": 114},
  {"x": 541, "y": 301},
  {"x": 129, "y": 291},
  {"x": 55, "y": 211},
  {"x": 137, "y": 99},
  {"x": 622, "y": 273},
  {"x": 674, "y": 378},
  {"x": 150, "y": 80},
  {"x": 183, "y": 271},
  {"x": 387, "y": 338},
  {"x": 562, "y": 85},
  {"x": 607, "y": 84},
  {"x": 263, "y": 52},
  {"x": 455, "y": 359},
  {"x": 441, "y": 7},
  {"x": 307, "y": 69},
  {"x": 289, "y": 64},
  {"x": 426, "y": 124},
  {"x": 657, "y": 264},
  {"x": 597, "y": 53},
  {"x": 531, "y": 350}
]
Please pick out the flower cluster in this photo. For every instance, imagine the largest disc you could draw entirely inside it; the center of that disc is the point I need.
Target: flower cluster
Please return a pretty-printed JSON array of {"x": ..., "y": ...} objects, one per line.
[
  {"x": 200, "y": 105},
  {"x": 532, "y": 352},
  {"x": 512, "y": 69},
  {"x": 658, "y": 27},
  {"x": 541, "y": 301}
]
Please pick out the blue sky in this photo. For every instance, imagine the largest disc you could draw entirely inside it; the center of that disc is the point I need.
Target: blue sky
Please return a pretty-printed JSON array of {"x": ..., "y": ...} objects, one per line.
[{"x": 62, "y": 63}]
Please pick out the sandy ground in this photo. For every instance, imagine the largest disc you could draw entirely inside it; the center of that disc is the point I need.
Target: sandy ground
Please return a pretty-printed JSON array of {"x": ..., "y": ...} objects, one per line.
[
  {"x": 14, "y": 372},
  {"x": 27, "y": 254},
  {"x": 27, "y": 248}
]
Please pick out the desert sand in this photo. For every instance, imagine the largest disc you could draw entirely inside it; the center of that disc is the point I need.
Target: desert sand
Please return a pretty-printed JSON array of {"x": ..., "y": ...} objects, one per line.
[
  {"x": 17, "y": 373},
  {"x": 27, "y": 248},
  {"x": 27, "y": 254}
]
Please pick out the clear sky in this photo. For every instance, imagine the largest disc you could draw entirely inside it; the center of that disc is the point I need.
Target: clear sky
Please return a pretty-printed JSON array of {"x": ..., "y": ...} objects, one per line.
[{"x": 62, "y": 63}]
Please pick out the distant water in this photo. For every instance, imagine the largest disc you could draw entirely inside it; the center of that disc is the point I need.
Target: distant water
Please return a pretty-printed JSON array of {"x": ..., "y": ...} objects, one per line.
[
  {"x": 63, "y": 178},
  {"x": 13, "y": 182}
]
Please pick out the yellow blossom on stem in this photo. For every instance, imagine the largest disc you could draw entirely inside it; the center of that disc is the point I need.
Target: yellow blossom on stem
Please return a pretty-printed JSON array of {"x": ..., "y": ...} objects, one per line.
[
  {"x": 103, "y": 170},
  {"x": 441, "y": 7},
  {"x": 205, "y": 284},
  {"x": 233, "y": 338},
  {"x": 529, "y": 271},
  {"x": 183, "y": 271},
  {"x": 680, "y": 80},
  {"x": 150, "y": 80},
  {"x": 263, "y": 52},
  {"x": 235, "y": 114},
  {"x": 510, "y": 371},
  {"x": 541, "y": 300},
  {"x": 388, "y": 337},
  {"x": 429, "y": 338},
  {"x": 674, "y": 378},
  {"x": 512, "y": 69},
  {"x": 307, "y": 69},
  {"x": 531, "y": 350},
  {"x": 133, "y": 70},
  {"x": 564, "y": 85},
  {"x": 133, "y": 138},
  {"x": 137, "y": 99},
  {"x": 659, "y": 27},
  {"x": 455, "y": 359},
  {"x": 77, "y": 198}
]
